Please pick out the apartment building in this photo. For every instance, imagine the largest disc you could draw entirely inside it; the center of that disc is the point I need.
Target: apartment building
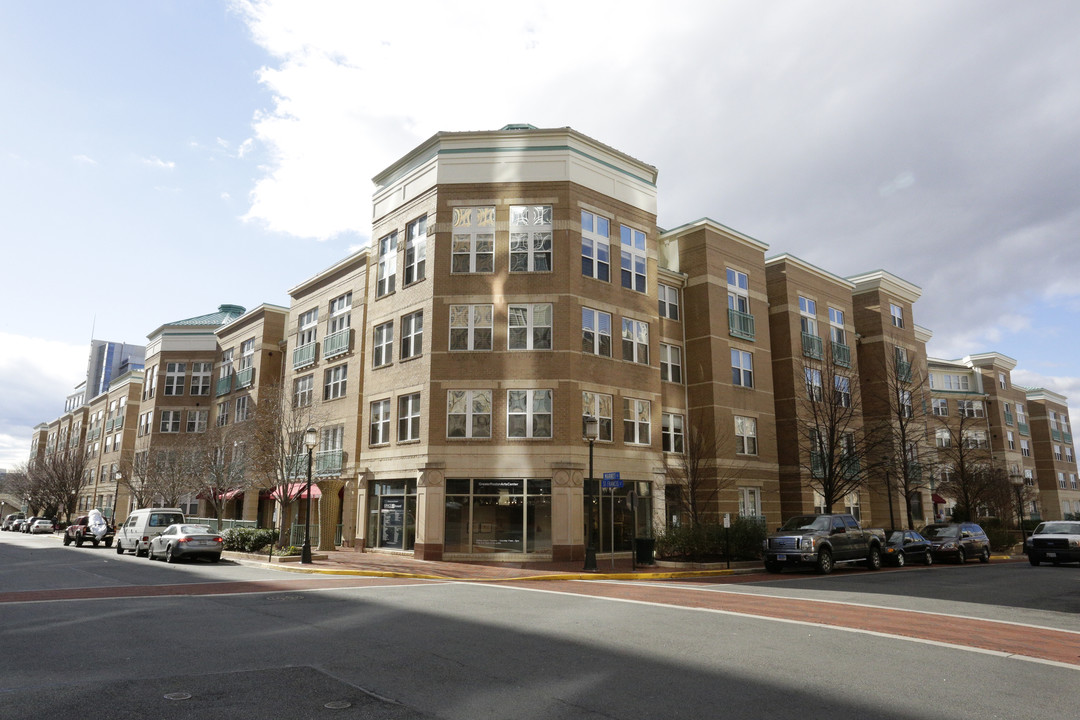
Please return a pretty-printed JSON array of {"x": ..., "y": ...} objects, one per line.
[
  {"x": 1055, "y": 456},
  {"x": 110, "y": 439}
]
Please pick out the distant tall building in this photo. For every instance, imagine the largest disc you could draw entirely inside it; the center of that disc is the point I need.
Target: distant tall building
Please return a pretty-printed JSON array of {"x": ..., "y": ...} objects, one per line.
[{"x": 107, "y": 360}]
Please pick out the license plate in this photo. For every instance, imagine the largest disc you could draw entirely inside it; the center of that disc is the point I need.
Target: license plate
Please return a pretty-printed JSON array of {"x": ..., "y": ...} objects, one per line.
[
  {"x": 1051, "y": 554},
  {"x": 781, "y": 558}
]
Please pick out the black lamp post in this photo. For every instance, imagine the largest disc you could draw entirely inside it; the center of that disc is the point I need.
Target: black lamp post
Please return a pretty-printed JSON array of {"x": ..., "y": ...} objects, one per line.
[
  {"x": 592, "y": 431},
  {"x": 311, "y": 439}
]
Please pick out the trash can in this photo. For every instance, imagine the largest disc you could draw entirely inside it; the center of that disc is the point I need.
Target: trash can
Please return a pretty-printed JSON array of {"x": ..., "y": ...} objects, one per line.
[{"x": 643, "y": 550}]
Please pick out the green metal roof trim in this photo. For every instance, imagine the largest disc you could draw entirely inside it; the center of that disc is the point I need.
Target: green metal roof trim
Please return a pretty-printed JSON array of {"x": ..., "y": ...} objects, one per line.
[{"x": 225, "y": 314}]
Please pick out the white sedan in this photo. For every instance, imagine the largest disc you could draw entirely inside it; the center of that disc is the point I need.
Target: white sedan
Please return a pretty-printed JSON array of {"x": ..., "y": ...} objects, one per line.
[{"x": 186, "y": 541}]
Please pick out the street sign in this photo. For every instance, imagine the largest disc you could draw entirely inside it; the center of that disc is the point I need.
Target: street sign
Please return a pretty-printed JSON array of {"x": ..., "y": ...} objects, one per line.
[
  {"x": 611, "y": 480},
  {"x": 611, "y": 475}
]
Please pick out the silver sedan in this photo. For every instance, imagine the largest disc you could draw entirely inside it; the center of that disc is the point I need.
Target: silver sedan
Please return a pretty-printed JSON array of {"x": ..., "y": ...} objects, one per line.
[{"x": 186, "y": 541}]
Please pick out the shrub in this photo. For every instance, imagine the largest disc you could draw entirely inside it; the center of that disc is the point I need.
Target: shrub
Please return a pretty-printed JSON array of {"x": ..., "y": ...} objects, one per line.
[
  {"x": 708, "y": 542},
  {"x": 249, "y": 540}
]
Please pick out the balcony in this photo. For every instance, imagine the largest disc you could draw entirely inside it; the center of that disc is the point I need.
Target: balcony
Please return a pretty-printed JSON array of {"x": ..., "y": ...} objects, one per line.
[
  {"x": 841, "y": 354},
  {"x": 93, "y": 434},
  {"x": 244, "y": 378},
  {"x": 1066, "y": 437},
  {"x": 1008, "y": 418},
  {"x": 812, "y": 347},
  {"x": 337, "y": 344},
  {"x": 1056, "y": 434},
  {"x": 1023, "y": 427},
  {"x": 224, "y": 385},
  {"x": 327, "y": 462},
  {"x": 740, "y": 324},
  {"x": 303, "y": 356}
]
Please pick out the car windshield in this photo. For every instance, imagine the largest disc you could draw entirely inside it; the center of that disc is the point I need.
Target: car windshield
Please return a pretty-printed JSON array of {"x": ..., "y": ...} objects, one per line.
[
  {"x": 1058, "y": 528},
  {"x": 808, "y": 522},
  {"x": 896, "y": 536},
  {"x": 936, "y": 532},
  {"x": 195, "y": 530}
]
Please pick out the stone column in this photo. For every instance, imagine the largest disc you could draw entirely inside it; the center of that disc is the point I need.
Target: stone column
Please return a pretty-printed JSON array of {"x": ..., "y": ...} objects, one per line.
[
  {"x": 329, "y": 512},
  {"x": 430, "y": 512},
  {"x": 567, "y": 513}
]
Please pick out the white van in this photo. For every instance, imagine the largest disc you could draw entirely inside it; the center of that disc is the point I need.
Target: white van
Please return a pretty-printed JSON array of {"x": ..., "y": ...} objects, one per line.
[{"x": 142, "y": 525}]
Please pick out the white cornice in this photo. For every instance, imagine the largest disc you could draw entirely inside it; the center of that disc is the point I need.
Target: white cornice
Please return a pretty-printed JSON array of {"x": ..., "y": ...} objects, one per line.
[
  {"x": 798, "y": 262},
  {"x": 886, "y": 282},
  {"x": 716, "y": 227}
]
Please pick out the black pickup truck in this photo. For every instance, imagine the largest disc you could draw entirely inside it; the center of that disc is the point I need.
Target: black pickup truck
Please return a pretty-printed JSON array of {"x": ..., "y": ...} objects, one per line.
[{"x": 821, "y": 541}]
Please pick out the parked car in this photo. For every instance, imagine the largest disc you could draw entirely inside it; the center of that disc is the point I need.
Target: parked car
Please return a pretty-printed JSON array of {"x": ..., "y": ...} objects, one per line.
[
  {"x": 24, "y": 526},
  {"x": 93, "y": 528},
  {"x": 42, "y": 525},
  {"x": 182, "y": 541},
  {"x": 10, "y": 519},
  {"x": 1054, "y": 542},
  {"x": 142, "y": 525},
  {"x": 904, "y": 546},
  {"x": 958, "y": 542},
  {"x": 821, "y": 541},
  {"x": 17, "y": 523}
]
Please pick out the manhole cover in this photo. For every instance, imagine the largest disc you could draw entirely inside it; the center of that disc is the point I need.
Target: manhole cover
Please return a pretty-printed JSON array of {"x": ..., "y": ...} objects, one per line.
[
  {"x": 338, "y": 705},
  {"x": 178, "y": 696}
]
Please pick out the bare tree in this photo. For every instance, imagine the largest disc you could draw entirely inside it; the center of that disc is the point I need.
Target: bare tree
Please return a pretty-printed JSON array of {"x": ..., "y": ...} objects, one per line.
[
  {"x": 965, "y": 459},
  {"x": 695, "y": 469},
  {"x": 166, "y": 473},
  {"x": 219, "y": 465},
  {"x": 55, "y": 480}
]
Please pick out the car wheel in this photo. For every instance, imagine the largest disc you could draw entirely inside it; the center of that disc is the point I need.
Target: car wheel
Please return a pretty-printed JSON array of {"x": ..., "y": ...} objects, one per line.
[
  {"x": 824, "y": 562},
  {"x": 1034, "y": 559},
  {"x": 169, "y": 557},
  {"x": 94, "y": 543},
  {"x": 985, "y": 557},
  {"x": 929, "y": 559},
  {"x": 773, "y": 567},
  {"x": 67, "y": 540},
  {"x": 215, "y": 558},
  {"x": 78, "y": 541},
  {"x": 901, "y": 561},
  {"x": 150, "y": 552},
  {"x": 119, "y": 548},
  {"x": 138, "y": 552},
  {"x": 961, "y": 557},
  {"x": 873, "y": 559},
  {"x": 108, "y": 542}
]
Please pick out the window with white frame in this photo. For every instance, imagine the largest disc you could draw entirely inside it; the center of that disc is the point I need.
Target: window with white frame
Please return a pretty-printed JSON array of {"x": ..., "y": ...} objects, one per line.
[
  {"x": 468, "y": 414},
  {"x": 749, "y": 502},
  {"x": 941, "y": 407},
  {"x": 529, "y": 327},
  {"x": 1002, "y": 381},
  {"x": 196, "y": 420},
  {"x": 738, "y": 289},
  {"x": 671, "y": 432},
  {"x": 170, "y": 421},
  {"x": 637, "y": 420},
  {"x": 380, "y": 423},
  {"x": 836, "y": 326},
  {"x": 201, "y": 373},
  {"x": 1057, "y": 453},
  {"x": 473, "y": 240},
  {"x": 633, "y": 258},
  {"x": 242, "y": 408},
  {"x": 808, "y": 315},
  {"x": 1064, "y": 423},
  {"x": 595, "y": 332},
  {"x": 409, "y": 417},
  {"x": 812, "y": 376},
  {"x": 530, "y": 238},
  {"x": 387, "y": 268},
  {"x": 1029, "y": 477},
  {"x": 415, "y": 250},
  {"x": 742, "y": 368},
  {"x": 340, "y": 314},
  {"x": 302, "y": 390},
  {"x": 974, "y": 439},
  {"x": 897, "y": 314},
  {"x": 969, "y": 408},
  {"x": 842, "y": 384},
  {"x": 334, "y": 382},
  {"x": 226, "y": 368},
  {"x": 332, "y": 438},
  {"x": 906, "y": 409},
  {"x": 1021, "y": 414},
  {"x": 247, "y": 354},
  {"x": 1072, "y": 481},
  {"x": 1010, "y": 439},
  {"x": 146, "y": 421},
  {"x": 670, "y": 363},
  {"x": 528, "y": 413},
  {"x": 942, "y": 438},
  {"x": 669, "y": 301},
  {"x": 412, "y": 335},
  {"x": 151, "y": 383},
  {"x": 1068, "y": 454},
  {"x": 382, "y": 350},
  {"x": 307, "y": 327},
  {"x": 1025, "y": 448},
  {"x": 174, "y": 378},
  {"x": 956, "y": 382},
  {"x": 223, "y": 413},
  {"x": 598, "y": 406},
  {"x": 745, "y": 435},
  {"x": 1061, "y": 481},
  {"x": 635, "y": 341},
  {"x": 595, "y": 246},
  {"x": 470, "y": 327}
]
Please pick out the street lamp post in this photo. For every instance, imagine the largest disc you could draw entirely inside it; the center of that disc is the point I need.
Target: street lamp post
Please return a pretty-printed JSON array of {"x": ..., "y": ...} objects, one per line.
[
  {"x": 592, "y": 431},
  {"x": 1018, "y": 485},
  {"x": 311, "y": 439}
]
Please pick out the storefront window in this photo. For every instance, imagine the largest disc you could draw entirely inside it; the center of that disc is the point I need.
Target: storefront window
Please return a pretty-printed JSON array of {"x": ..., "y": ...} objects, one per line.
[
  {"x": 392, "y": 515},
  {"x": 627, "y": 524},
  {"x": 498, "y": 515}
]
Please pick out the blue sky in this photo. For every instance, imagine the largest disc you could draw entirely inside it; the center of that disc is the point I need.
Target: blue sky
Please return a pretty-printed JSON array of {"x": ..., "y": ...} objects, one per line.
[{"x": 158, "y": 159}]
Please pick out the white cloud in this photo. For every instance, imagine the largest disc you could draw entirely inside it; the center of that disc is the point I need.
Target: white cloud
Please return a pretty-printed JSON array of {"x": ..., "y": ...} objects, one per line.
[
  {"x": 155, "y": 161},
  {"x": 84, "y": 159},
  {"x": 226, "y": 196}
]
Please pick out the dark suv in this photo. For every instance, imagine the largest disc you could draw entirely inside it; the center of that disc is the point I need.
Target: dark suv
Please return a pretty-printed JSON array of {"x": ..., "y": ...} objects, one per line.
[{"x": 958, "y": 542}]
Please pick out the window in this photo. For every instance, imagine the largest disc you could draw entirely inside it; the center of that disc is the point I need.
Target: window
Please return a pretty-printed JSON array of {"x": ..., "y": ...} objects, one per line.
[
  {"x": 408, "y": 417},
  {"x": 223, "y": 413},
  {"x": 1010, "y": 439},
  {"x": 974, "y": 439},
  {"x": 905, "y": 404},
  {"x": 200, "y": 377},
  {"x": 599, "y": 406},
  {"x": 738, "y": 287},
  {"x": 332, "y": 439},
  {"x": 174, "y": 378},
  {"x": 633, "y": 258},
  {"x": 1068, "y": 454},
  {"x": 387, "y": 271},
  {"x": 897, "y": 314},
  {"x": 151, "y": 383},
  {"x": 468, "y": 414},
  {"x": 595, "y": 332},
  {"x": 813, "y": 383},
  {"x": 669, "y": 301},
  {"x": 956, "y": 382},
  {"x": 742, "y": 368},
  {"x": 745, "y": 435},
  {"x": 247, "y": 354},
  {"x": 1061, "y": 481},
  {"x": 308, "y": 327},
  {"x": 242, "y": 408},
  {"x": 530, "y": 238},
  {"x": 595, "y": 247},
  {"x": 470, "y": 327},
  {"x": 1002, "y": 382},
  {"x": 843, "y": 390},
  {"x": 380, "y": 423},
  {"x": 671, "y": 432},
  {"x": 941, "y": 407},
  {"x": 412, "y": 335},
  {"x": 473, "y": 240},
  {"x": 1057, "y": 453},
  {"x": 1072, "y": 481},
  {"x": 635, "y": 341},
  {"x": 969, "y": 408},
  {"x": 226, "y": 367},
  {"x": 836, "y": 326},
  {"x": 530, "y": 327},
  {"x": 146, "y": 421},
  {"x": 749, "y": 502},
  {"x": 334, "y": 380},
  {"x": 340, "y": 314},
  {"x": 170, "y": 421},
  {"x": 808, "y": 315},
  {"x": 302, "y": 390},
  {"x": 196, "y": 420},
  {"x": 637, "y": 416},
  {"x": 1021, "y": 414},
  {"x": 383, "y": 350},
  {"x": 670, "y": 363},
  {"x": 415, "y": 250},
  {"x": 1025, "y": 448},
  {"x": 528, "y": 413}
]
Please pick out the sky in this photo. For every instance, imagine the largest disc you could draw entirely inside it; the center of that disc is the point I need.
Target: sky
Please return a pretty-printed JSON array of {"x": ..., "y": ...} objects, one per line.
[{"x": 160, "y": 158}]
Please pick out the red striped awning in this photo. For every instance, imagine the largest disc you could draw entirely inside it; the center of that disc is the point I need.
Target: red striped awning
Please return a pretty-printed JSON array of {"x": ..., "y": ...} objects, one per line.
[
  {"x": 938, "y": 500},
  {"x": 296, "y": 491}
]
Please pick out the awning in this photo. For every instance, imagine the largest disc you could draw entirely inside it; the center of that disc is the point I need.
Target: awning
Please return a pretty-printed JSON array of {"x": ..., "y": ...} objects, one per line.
[
  {"x": 938, "y": 500},
  {"x": 227, "y": 495},
  {"x": 297, "y": 491}
]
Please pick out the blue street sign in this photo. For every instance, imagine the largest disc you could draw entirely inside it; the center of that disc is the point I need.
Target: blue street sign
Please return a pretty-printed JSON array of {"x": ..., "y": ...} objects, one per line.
[
  {"x": 611, "y": 480},
  {"x": 611, "y": 476}
]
